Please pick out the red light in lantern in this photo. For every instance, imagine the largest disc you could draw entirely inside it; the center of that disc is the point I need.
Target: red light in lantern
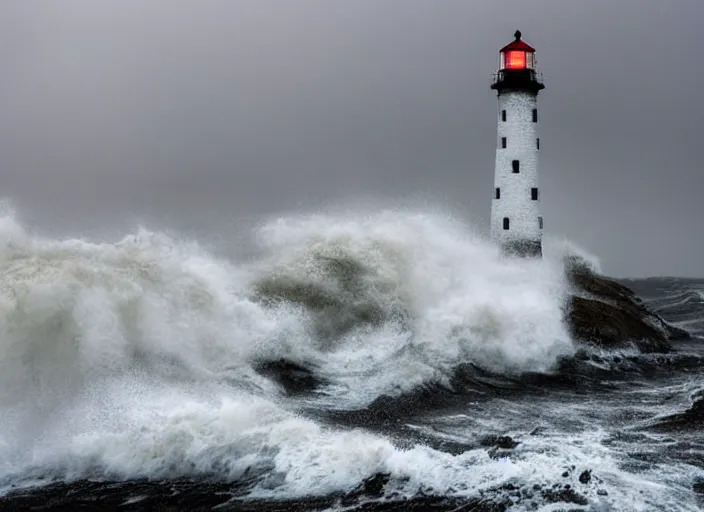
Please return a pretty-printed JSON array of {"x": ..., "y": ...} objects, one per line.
[{"x": 515, "y": 60}]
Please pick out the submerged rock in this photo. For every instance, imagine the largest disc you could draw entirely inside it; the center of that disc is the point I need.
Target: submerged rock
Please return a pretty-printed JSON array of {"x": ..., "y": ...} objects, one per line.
[
  {"x": 698, "y": 487},
  {"x": 504, "y": 442},
  {"x": 294, "y": 378},
  {"x": 608, "y": 314},
  {"x": 585, "y": 477}
]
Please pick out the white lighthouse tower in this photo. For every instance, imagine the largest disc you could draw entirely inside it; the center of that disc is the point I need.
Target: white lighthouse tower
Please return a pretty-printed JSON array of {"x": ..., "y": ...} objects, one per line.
[{"x": 516, "y": 222}]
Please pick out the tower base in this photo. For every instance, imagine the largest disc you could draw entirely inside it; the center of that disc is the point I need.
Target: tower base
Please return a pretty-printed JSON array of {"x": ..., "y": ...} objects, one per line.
[{"x": 523, "y": 248}]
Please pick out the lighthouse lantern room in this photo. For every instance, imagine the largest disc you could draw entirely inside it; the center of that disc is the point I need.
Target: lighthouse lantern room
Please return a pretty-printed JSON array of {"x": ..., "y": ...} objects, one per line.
[
  {"x": 517, "y": 55},
  {"x": 516, "y": 222}
]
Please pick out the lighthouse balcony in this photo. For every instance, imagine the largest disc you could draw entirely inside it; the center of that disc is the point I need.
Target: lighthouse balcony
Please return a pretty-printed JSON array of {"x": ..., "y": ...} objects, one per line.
[{"x": 527, "y": 80}]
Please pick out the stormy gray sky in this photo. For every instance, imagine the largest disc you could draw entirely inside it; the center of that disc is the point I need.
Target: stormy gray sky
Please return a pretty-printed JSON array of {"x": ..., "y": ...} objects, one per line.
[{"x": 197, "y": 113}]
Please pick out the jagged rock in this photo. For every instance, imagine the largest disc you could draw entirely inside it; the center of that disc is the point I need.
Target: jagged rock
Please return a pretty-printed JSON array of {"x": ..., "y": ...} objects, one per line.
[
  {"x": 608, "y": 326},
  {"x": 586, "y": 476},
  {"x": 566, "y": 495},
  {"x": 608, "y": 314}
]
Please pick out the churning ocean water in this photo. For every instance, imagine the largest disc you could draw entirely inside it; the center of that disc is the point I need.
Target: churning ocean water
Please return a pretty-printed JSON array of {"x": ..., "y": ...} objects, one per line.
[{"x": 382, "y": 360}]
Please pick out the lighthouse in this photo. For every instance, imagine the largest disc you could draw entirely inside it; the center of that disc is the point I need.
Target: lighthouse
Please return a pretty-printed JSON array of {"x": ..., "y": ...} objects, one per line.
[{"x": 516, "y": 221}]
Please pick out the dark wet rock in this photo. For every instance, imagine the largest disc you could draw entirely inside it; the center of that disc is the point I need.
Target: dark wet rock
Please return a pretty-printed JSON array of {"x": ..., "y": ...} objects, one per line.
[
  {"x": 564, "y": 495},
  {"x": 504, "y": 442},
  {"x": 608, "y": 314},
  {"x": 565, "y": 474},
  {"x": 698, "y": 487},
  {"x": 607, "y": 326},
  {"x": 585, "y": 477},
  {"x": 374, "y": 485},
  {"x": 602, "y": 492},
  {"x": 690, "y": 419},
  {"x": 392, "y": 411},
  {"x": 370, "y": 495},
  {"x": 294, "y": 378},
  {"x": 201, "y": 496},
  {"x": 500, "y": 446},
  {"x": 139, "y": 495}
]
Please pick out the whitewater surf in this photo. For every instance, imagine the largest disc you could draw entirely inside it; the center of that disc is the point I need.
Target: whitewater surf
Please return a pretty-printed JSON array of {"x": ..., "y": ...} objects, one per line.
[{"x": 353, "y": 360}]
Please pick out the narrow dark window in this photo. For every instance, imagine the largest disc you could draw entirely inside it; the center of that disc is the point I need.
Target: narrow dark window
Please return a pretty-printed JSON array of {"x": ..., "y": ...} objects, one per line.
[
  {"x": 540, "y": 222},
  {"x": 534, "y": 194},
  {"x": 503, "y": 115},
  {"x": 535, "y": 115},
  {"x": 503, "y": 142},
  {"x": 516, "y": 165},
  {"x": 498, "y": 193},
  {"x": 537, "y": 143},
  {"x": 505, "y": 222}
]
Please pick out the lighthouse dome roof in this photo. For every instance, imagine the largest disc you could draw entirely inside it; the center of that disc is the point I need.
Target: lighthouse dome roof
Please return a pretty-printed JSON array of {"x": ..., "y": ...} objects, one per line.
[{"x": 517, "y": 44}]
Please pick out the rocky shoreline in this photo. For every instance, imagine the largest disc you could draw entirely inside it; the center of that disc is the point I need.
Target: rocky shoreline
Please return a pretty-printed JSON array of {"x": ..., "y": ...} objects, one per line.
[
  {"x": 370, "y": 495},
  {"x": 605, "y": 313}
]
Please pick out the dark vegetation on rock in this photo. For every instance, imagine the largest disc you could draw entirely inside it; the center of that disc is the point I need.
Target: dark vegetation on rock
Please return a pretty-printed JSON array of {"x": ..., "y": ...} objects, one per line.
[{"x": 608, "y": 314}]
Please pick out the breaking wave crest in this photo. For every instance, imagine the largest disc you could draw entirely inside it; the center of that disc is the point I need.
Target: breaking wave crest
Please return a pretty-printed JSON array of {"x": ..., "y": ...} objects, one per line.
[
  {"x": 393, "y": 300},
  {"x": 140, "y": 357}
]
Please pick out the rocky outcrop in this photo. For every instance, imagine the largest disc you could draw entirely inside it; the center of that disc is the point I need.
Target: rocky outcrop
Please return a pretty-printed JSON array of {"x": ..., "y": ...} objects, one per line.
[
  {"x": 690, "y": 419},
  {"x": 608, "y": 314},
  {"x": 370, "y": 495}
]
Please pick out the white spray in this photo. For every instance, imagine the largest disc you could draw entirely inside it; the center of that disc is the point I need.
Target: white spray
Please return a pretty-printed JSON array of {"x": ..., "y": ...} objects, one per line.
[{"x": 136, "y": 358}]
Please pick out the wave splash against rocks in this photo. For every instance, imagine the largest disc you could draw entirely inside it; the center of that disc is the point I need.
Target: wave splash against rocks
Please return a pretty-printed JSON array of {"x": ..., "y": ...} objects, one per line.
[{"x": 152, "y": 358}]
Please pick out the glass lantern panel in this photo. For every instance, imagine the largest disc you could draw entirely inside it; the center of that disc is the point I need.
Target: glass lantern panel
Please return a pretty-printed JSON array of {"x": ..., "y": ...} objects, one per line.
[
  {"x": 530, "y": 60},
  {"x": 515, "y": 59}
]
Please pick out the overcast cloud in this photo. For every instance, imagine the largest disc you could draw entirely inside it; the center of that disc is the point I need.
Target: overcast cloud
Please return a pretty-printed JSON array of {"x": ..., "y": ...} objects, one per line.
[{"x": 196, "y": 113}]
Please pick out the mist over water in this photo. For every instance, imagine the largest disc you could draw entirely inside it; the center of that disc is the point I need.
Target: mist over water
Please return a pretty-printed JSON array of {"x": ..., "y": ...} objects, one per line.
[{"x": 139, "y": 358}]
